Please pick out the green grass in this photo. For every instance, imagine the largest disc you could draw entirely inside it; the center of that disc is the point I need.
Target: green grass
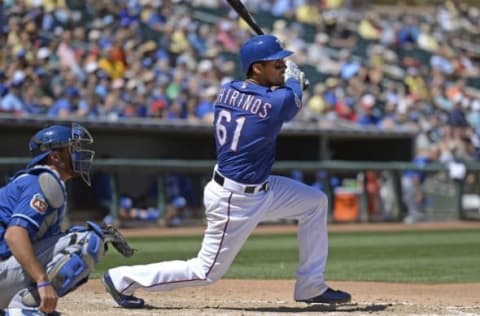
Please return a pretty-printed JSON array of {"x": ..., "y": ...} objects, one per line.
[{"x": 407, "y": 256}]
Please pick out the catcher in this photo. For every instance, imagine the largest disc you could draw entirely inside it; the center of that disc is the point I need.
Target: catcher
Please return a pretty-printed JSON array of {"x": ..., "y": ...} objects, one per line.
[{"x": 38, "y": 262}]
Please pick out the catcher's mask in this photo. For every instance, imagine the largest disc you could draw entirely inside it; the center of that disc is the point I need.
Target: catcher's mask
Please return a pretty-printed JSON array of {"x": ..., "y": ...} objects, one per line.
[{"x": 73, "y": 137}]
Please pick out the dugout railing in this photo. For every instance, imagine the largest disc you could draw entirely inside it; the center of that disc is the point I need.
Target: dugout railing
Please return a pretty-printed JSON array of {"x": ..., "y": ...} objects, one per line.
[{"x": 346, "y": 169}]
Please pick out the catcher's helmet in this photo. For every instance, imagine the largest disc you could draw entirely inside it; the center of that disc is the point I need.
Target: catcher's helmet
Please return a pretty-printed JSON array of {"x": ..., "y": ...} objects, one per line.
[
  {"x": 259, "y": 48},
  {"x": 59, "y": 136}
]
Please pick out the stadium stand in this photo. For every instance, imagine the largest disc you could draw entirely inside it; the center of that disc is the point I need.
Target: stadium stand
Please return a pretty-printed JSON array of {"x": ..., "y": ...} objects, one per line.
[{"x": 369, "y": 69}]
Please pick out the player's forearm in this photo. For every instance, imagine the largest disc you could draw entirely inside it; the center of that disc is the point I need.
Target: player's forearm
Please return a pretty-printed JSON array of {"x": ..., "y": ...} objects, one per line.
[
  {"x": 295, "y": 85},
  {"x": 22, "y": 249}
]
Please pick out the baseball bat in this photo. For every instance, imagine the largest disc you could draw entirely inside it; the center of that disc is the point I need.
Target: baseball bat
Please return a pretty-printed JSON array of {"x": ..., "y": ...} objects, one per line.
[{"x": 243, "y": 12}]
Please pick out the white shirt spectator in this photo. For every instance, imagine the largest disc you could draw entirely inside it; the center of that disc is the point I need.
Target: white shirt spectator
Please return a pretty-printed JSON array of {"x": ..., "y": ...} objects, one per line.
[{"x": 12, "y": 103}]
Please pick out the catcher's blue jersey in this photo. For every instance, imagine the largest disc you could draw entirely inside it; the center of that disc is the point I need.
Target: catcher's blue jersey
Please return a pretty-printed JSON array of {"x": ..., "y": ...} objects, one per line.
[
  {"x": 248, "y": 118},
  {"x": 23, "y": 203}
]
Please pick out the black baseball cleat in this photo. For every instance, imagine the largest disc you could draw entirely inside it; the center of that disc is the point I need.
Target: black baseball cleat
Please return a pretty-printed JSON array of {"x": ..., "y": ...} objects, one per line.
[
  {"x": 330, "y": 296},
  {"x": 125, "y": 301}
]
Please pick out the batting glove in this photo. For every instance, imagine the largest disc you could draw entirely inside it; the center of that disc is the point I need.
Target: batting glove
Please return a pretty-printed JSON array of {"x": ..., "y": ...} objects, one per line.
[{"x": 294, "y": 72}]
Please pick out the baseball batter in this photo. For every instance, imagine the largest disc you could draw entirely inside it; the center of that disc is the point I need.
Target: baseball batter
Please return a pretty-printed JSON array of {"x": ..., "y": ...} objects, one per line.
[
  {"x": 248, "y": 117},
  {"x": 39, "y": 262}
]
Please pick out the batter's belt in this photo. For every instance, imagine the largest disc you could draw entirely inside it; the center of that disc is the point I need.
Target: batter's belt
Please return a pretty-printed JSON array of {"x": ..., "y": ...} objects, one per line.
[{"x": 238, "y": 187}]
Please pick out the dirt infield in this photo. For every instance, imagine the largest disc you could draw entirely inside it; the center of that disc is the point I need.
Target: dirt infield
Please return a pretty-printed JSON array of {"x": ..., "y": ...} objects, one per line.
[
  {"x": 269, "y": 229},
  {"x": 275, "y": 297}
]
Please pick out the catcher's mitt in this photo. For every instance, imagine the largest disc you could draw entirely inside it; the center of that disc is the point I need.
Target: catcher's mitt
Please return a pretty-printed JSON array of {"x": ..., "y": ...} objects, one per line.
[{"x": 112, "y": 236}]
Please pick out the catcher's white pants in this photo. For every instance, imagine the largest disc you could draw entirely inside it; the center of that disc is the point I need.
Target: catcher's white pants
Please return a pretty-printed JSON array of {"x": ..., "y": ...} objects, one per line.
[{"x": 231, "y": 217}]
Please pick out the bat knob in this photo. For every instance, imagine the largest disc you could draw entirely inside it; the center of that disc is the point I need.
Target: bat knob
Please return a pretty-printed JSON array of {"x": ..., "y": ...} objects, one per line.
[{"x": 306, "y": 84}]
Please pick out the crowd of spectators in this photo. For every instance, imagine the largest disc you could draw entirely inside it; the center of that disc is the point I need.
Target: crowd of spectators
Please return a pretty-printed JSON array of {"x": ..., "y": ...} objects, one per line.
[
  {"x": 394, "y": 69},
  {"x": 120, "y": 59}
]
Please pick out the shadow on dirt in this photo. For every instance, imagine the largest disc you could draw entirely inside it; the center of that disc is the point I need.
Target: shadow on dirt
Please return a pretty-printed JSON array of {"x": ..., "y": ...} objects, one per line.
[
  {"x": 316, "y": 308},
  {"x": 346, "y": 308}
]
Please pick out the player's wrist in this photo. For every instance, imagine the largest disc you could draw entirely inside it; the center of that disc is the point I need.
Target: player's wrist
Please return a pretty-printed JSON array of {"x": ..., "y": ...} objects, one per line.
[
  {"x": 43, "y": 284},
  {"x": 41, "y": 277}
]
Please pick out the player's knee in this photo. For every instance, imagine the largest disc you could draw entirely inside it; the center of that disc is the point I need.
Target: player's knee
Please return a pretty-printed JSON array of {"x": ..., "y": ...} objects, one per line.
[
  {"x": 71, "y": 268},
  {"x": 322, "y": 200},
  {"x": 319, "y": 206},
  {"x": 210, "y": 279},
  {"x": 215, "y": 274},
  {"x": 206, "y": 273},
  {"x": 93, "y": 249},
  {"x": 68, "y": 272}
]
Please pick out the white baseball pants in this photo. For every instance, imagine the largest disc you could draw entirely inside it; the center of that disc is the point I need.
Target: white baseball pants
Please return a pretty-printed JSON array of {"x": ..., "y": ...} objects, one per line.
[{"x": 232, "y": 217}]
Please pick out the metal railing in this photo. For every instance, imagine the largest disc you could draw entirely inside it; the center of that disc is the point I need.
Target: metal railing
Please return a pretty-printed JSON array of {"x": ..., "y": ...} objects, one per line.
[{"x": 160, "y": 167}]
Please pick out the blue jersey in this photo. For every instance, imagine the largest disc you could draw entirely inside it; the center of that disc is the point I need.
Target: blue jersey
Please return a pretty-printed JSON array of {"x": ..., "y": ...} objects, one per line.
[
  {"x": 248, "y": 118},
  {"x": 35, "y": 200}
]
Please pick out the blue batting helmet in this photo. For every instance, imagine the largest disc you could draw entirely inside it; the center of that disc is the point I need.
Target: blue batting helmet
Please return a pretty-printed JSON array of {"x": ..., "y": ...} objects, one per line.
[
  {"x": 59, "y": 136},
  {"x": 260, "y": 48}
]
